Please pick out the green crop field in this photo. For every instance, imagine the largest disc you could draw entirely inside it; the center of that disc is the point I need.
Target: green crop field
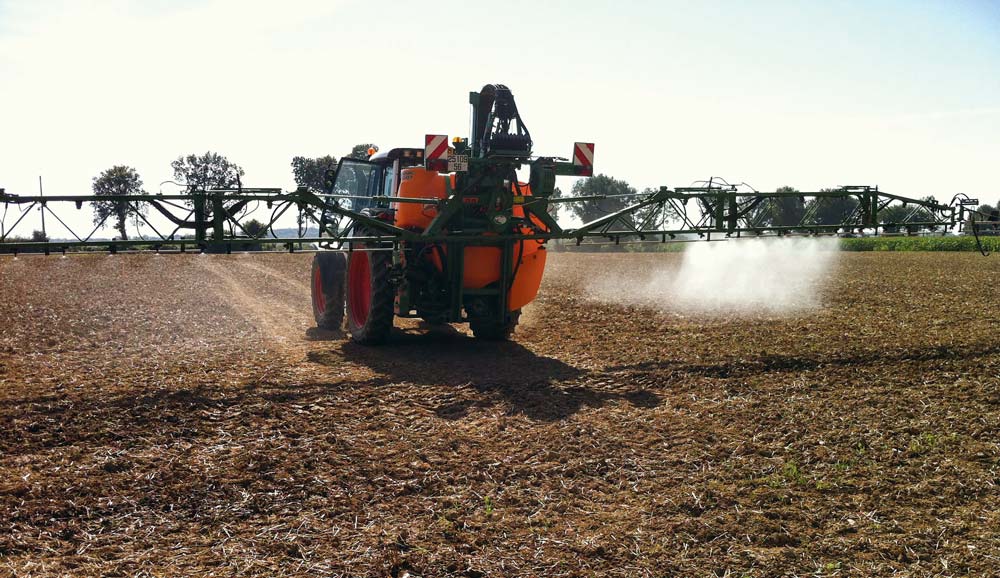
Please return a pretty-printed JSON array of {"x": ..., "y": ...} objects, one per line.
[{"x": 951, "y": 243}]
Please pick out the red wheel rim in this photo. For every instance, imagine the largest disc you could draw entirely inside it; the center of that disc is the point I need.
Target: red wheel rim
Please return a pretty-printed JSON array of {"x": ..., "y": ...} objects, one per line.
[
  {"x": 319, "y": 300},
  {"x": 359, "y": 287}
]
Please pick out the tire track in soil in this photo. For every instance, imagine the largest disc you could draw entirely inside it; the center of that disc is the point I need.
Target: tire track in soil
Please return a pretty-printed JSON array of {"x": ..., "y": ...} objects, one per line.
[
  {"x": 300, "y": 287},
  {"x": 275, "y": 317},
  {"x": 283, "y": 310}
]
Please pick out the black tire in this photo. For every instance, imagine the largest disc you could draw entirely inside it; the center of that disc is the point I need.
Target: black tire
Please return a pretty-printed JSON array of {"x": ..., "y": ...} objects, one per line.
[
  {"x": 328, "y": 272},
  {"x": 369, "y": 319},
  {"x": 493, "y": 331}
]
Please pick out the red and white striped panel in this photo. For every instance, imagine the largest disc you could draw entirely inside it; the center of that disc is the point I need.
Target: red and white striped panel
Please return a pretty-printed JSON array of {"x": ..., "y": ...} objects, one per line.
[
  {"x": 583, "y": 157},
  {"x": 436, "y": 152}
]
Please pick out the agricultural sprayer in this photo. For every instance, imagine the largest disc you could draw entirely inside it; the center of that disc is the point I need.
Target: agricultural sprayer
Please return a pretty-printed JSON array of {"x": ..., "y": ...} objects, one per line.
[{"x": 450, "y": 233}]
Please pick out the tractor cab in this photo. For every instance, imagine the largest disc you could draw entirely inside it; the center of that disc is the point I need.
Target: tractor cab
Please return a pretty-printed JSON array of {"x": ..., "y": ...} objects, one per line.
[{"x": 360, "y": 180}]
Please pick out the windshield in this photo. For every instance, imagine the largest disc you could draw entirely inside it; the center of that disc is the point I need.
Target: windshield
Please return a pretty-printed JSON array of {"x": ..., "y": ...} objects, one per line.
[{"x": 354, "y": 179}]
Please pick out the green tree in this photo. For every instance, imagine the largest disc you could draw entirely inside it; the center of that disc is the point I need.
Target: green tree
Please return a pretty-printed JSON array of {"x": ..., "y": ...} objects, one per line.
[
  {"x": 831, "y": 210},
  {"x": 311, "y": 172},
  {"x": 987, "y": 217},
  {"x": 119, "y": 180},
  {"x": 254, "y": 228},
  {"x": 207, "y": 171},
  {"x": 39, "y": 237},
  {"x": 554, "y": 207},
  {"x": 988, "y": 212},
  {"x": 619, "y": 194},
  {"x": 787, "y": 211},
  {"x": 360, "y": 151}
]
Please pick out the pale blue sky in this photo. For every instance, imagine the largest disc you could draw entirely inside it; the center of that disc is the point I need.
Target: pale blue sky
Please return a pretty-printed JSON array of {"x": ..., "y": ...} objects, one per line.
[{"x": 902, "y": 94}]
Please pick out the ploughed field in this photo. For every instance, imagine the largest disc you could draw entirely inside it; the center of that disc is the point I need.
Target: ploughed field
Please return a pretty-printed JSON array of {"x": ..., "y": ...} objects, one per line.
[{"x": 176, "y": 415}]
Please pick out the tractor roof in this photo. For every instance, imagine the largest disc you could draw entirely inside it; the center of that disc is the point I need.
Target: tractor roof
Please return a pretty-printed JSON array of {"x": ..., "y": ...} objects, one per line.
[{"x": 407, "y": 156}]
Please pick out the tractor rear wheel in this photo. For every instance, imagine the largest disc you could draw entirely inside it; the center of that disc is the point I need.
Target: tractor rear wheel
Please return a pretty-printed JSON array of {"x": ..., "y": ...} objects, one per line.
[
  {"x": 328, "y": 272},
  {"x": 493, "y": 331},
  {"x": 370, "y": 296}
]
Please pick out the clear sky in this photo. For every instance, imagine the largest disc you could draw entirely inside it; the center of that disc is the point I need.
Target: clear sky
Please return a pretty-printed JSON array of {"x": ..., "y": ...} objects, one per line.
[{"x": 903, "y": 94}]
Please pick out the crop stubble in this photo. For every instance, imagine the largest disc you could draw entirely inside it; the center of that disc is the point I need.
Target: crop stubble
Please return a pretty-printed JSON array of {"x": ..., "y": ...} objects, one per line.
[{"x": 172, "y": 415}]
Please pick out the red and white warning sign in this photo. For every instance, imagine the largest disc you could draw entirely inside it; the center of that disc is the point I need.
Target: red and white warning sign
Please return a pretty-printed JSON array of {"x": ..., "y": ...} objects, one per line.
[
  {"x": 583, "y": 157},
  {"x": 436, "y": 152}
]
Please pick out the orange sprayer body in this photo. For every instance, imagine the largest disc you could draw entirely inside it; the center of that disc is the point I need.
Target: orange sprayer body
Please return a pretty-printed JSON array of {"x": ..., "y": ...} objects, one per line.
[
  {"x": 419, "y": 183},
  {"x": 481, "y": 266}
]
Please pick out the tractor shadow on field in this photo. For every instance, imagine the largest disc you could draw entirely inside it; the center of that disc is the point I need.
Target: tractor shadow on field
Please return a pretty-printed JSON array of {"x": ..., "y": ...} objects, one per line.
[{"x": 484, "y": 374}]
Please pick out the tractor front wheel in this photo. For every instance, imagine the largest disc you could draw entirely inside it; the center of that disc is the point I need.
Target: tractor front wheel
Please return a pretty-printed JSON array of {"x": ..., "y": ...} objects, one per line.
[
  {"x": 370, "y": 296},
  {"x": 328, "y": 271}
]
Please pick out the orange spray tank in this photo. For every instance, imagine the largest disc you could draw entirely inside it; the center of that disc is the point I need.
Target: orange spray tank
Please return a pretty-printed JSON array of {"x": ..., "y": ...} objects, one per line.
[{"x": 481, "y": 266}]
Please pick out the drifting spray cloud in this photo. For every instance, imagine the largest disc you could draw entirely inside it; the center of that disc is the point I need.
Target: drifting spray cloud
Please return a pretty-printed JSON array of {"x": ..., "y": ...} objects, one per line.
[{"x": 775, "y": 276}]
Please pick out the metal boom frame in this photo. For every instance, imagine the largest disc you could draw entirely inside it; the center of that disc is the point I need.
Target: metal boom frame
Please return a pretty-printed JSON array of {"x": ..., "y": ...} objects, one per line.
[{"x": 661, "y": 216}]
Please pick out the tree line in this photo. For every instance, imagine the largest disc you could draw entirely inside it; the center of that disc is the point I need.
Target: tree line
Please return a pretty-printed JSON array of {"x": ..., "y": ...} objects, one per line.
[{"x": 199, "y": 172}]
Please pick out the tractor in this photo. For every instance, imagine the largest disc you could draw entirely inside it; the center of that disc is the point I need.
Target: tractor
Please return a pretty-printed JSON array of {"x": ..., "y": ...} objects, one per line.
[{"x": 476, "y": 253}]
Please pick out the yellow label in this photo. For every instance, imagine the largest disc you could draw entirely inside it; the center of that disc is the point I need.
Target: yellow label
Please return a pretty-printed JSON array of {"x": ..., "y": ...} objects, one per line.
[{"x": 518, "y": 199}]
